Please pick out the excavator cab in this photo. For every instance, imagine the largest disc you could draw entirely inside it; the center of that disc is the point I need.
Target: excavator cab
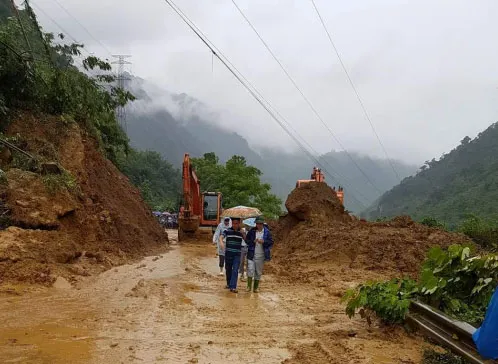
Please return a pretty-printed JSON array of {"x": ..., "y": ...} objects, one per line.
[{"x": 211, "y": 208}]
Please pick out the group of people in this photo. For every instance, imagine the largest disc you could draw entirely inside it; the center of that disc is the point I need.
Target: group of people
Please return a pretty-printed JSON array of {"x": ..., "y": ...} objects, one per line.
[{"x": 238, "y": 247}]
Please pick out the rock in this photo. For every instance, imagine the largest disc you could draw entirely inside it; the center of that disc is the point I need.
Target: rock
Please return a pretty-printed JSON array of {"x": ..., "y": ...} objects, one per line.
[
  {"x": 62, "y": 283},
  {"x": 113, "y": 345},
  {"x": 5, "y": 156},
  {"x": 22, "y": 203},
  {"x": 50, "y": 168}
]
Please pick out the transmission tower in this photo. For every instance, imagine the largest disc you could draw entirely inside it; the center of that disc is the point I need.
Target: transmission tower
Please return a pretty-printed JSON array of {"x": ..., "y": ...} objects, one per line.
[{"x": 121, "y": 78}]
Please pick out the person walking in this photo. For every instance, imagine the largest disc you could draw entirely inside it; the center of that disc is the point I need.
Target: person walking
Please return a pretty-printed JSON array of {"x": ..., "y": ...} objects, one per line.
[
  {"x": 243, "y": 259},
  {"x": 231, "y": 242},
  {"x": 259, "y": 241},
  {"x": 224, "y": 225}
]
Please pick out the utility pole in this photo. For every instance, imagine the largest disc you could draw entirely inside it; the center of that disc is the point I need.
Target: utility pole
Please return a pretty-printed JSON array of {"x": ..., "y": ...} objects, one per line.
[{"x": 121, "y": 78}]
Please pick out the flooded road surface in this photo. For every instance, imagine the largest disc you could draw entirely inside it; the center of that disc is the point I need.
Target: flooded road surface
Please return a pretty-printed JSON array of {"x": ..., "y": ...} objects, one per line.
[{"x": 173, "y": 308}]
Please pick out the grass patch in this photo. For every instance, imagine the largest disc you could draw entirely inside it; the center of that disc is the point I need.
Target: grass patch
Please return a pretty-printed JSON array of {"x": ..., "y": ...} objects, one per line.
[{"x": 57, "y": 182}]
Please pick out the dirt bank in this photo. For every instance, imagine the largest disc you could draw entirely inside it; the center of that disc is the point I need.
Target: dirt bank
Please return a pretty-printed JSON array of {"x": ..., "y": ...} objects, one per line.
[
  {"x": 83, "y": 220},
  {"x": 318, "y": 236}
]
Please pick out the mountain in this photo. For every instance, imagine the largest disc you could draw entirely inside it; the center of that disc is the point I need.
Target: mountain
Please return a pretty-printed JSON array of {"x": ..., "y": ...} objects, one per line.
[
  {"x": 462, "y": 182},
  {"x": 173, "y": 124}
]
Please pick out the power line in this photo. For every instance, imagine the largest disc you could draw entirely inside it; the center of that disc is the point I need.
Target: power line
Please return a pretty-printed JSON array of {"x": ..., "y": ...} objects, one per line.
[
  {"x": 252, "y": 90},
  {"x": 291, "y": 79},
  {"x": 367, "y": 116},
  {"x": 217, "y": 52},
  {"x": 84, "y": 28}
]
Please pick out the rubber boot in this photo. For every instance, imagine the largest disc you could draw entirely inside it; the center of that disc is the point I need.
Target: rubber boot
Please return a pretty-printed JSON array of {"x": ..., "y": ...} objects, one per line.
[
  {"x": 249, "y": 284},
  {"x": 256, "y": 286}
]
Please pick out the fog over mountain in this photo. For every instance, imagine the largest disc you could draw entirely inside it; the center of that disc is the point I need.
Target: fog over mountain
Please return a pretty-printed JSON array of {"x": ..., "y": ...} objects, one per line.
[{"x": 173, "y": 124}]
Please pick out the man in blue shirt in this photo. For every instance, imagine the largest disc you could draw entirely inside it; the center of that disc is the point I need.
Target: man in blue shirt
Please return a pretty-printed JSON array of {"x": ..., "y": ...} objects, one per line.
[{"x": 231, "y": 243}]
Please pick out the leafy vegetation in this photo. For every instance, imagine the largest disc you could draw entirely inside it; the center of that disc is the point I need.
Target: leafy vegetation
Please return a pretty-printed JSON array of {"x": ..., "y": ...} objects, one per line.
[
  {"x": 461, "y": 183},
  {"x": 389, "y": 300},
  {"x": 56, "y": 182},
  {"x": 482, "y": 231},
  {"x": 38, "y": 74},
  {"x": 450, "y": 280},
  {"x": 239, "y": 183},
  {"x": 159, "y": 182},
  {"x": 432, "y": 222}
]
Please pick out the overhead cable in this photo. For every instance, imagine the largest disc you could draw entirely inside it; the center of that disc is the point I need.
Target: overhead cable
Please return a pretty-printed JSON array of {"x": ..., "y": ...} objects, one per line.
[
  {"x": 362, "y": 105},
  {"x": 306, "y": 99},
  {"x": 252, "y": 90}
]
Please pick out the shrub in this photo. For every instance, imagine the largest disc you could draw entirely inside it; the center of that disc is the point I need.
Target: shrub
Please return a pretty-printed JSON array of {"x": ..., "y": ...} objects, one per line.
[
  {"x": 481, "y": 231},
  {"x": 432, "y": 222},
  {"x": 450, "y": 280}
]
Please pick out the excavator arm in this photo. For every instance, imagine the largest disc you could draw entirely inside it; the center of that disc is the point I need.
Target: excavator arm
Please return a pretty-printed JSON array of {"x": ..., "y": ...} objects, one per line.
[
  {"x": 200, "y": 212},
  {"x": 191, "y": 189}
]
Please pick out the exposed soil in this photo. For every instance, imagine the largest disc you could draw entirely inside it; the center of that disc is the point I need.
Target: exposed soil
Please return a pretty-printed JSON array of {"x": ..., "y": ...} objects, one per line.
[
  {"x": 317, "y": 236},
  {"x": 71, "y": 230},
  {"x": 173, "y": 308}
]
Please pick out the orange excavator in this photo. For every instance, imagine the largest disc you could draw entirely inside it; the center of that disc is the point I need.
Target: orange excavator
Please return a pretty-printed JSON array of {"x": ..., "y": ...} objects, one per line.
[
  {"x": 200, "y": 213},
  {"x": 318, "y": 176}
]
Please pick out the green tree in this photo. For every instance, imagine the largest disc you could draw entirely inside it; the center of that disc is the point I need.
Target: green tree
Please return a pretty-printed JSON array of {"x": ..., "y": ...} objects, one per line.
[
  {"x": 239, "y": 183},
  {"x": 158, "y": 181},
  {"x": 42, "y": 77}
]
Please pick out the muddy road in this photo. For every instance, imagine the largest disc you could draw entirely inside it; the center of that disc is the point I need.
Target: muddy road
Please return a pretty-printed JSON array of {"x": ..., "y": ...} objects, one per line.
[{"x": 173, "y": 308}]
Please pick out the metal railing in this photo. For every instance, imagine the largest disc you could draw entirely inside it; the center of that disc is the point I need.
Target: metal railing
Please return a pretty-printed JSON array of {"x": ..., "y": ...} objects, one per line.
[{"x": 450, "y": 333}]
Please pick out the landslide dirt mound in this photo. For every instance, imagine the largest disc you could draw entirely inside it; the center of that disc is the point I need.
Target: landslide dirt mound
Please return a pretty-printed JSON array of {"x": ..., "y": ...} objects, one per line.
[
  {"x": 318, "y": 235},
  {"x": 79, "y": 222},
  {"x": 315, "y": 201}
]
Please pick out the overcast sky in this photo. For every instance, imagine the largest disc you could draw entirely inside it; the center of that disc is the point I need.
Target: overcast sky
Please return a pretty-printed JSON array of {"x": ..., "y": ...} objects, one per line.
[{"x": 426, "y": 70}]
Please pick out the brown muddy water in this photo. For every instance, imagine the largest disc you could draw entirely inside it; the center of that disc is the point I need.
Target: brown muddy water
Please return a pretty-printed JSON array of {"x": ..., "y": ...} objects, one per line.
[{"x": 173, "y": 308}]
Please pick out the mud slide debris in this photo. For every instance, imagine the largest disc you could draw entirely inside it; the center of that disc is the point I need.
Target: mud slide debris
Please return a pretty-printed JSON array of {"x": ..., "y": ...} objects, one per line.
[{"x": 72, "y": 223}]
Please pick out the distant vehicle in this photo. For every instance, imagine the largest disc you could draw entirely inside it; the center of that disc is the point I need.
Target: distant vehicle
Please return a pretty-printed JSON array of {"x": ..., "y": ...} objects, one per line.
[
  {"x": 318, "y": 176},
  {"x": 200, "y": 213}
]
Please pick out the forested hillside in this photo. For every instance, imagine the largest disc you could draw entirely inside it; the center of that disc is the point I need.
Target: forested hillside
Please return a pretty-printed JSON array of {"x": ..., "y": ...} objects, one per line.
[
  {"x": 462, "y": 182},
  {"x": 154, "y": 127}
]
